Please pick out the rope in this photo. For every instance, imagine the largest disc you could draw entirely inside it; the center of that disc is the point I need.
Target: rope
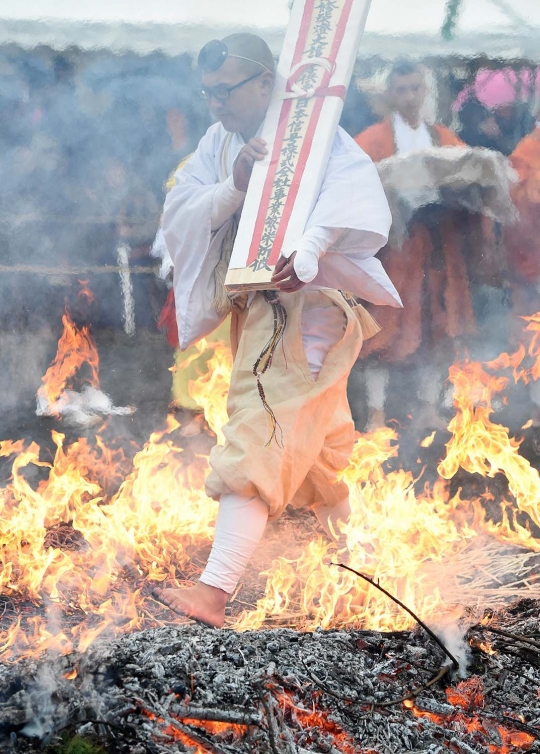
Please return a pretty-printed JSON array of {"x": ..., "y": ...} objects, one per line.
[{"x": 264, "y": 362}]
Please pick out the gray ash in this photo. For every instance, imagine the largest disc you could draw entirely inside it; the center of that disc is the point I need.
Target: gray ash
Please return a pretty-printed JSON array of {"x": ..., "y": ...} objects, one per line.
[{"x": 194, "y": 689}]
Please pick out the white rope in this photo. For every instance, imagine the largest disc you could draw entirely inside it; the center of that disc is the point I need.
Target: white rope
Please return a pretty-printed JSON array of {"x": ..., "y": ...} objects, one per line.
[{"x": 297, "y": 90}]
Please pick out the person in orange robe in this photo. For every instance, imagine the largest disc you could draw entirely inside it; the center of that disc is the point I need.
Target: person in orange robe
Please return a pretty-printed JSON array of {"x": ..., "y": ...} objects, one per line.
[
  {"x": 522, "y": 242},
  {"x": 429, "y": 269}
]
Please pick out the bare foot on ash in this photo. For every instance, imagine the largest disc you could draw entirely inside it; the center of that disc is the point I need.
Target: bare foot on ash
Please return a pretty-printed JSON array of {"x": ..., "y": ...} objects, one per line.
[{"x": 201, "y": 602}]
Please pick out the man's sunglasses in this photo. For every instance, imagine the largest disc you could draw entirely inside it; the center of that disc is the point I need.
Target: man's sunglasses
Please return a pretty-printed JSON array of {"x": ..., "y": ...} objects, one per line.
[{"x": 221, "y": 92}]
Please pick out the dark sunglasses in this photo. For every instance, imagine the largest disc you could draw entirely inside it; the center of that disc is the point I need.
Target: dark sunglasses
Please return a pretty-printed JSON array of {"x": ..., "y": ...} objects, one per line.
[{"x": 222, "y": 92}]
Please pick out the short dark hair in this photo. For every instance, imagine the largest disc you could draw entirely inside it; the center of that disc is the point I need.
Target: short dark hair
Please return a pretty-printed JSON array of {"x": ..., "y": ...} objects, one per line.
[{"x": 403, "y": 68}]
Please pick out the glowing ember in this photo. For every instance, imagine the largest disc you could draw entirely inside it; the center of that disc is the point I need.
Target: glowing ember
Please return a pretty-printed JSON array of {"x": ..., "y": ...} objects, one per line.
[
  {"x": 320, "y": 724},
  {"x": 468, "y": 696}
]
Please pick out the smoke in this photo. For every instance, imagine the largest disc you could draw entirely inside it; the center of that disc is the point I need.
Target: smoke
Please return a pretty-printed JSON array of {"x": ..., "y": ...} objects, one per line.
[
  {"x": 42, "y": 706},
  {"x": 452, "y": 636},
  {"x": 87, "y": 141},
  {"x": 25, "y": 357}
]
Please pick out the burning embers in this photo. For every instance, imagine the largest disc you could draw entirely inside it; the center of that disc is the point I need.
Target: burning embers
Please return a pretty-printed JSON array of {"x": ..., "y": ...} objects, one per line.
[{"x": 191, "y": 689}]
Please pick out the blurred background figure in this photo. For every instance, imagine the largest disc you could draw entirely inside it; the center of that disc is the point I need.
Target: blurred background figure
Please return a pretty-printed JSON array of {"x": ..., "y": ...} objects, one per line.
[
  {"x": 522, "y": 241},
  {"x": 495, "y": 110},
  {"x": 434, "y": 267}
]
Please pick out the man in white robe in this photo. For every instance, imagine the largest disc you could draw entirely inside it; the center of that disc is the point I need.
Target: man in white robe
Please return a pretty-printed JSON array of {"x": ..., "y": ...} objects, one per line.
[{"x": 306, "y": 384}]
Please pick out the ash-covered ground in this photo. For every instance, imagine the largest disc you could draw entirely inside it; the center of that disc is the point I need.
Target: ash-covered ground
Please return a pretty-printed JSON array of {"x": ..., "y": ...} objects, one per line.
[{"x": 195, "y": 689}]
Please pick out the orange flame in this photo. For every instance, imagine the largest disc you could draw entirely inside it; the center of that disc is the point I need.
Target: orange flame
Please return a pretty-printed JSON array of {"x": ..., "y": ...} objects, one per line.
[
  {"x": 143, "y": 529},
  {"x": 427, "y": 442},
  {"x": 210, "y": 390},
  {"x": 481, "y": 447},
  {"x": 76, "y": 349},
  {"x": 91, "y": 537}
]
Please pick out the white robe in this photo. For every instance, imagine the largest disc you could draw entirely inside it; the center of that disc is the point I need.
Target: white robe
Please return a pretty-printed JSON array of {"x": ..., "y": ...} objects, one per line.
[{"x": 351, "y": 198}]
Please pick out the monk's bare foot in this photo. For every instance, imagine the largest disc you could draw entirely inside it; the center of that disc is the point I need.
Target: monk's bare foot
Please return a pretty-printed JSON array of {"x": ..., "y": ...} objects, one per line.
[{"x": 201, "y": 602}]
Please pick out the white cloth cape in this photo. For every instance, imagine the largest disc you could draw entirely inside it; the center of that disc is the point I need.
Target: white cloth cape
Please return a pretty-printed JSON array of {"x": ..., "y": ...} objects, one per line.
[{"x": 351, "y": 197}]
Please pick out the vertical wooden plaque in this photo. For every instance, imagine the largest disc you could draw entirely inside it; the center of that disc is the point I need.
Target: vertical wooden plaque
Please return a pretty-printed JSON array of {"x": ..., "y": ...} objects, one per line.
[{"x": 314, "y": 71}]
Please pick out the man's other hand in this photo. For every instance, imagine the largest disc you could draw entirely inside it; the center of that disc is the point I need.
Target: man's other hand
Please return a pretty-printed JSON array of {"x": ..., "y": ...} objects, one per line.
[
  {"x": 254, "y": 150},
  {"x": 284, "y": 274}
]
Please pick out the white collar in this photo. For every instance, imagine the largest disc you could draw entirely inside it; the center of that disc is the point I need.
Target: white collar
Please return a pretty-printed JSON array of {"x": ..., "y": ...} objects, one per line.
[{"x": 409, "y": 139}]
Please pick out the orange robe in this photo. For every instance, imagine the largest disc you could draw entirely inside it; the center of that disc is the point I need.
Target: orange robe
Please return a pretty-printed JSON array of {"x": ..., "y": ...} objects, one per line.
[
  {"x": 522, "y": 240},
  {"x": 433, "y": 282}
]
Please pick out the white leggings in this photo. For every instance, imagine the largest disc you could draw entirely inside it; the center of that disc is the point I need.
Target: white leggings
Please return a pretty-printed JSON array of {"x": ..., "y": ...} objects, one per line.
[
  {"x": 241, "y": 521},
  {"x": 240, "y": 525}
]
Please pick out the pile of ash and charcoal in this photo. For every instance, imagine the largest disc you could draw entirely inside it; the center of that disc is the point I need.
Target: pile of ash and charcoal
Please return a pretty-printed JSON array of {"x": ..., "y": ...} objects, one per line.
[{"x": 187, "y": 688}]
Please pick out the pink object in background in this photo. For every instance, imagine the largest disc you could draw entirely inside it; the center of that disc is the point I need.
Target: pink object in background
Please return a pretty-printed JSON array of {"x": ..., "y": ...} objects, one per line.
[{"x": 495, "y": 89}]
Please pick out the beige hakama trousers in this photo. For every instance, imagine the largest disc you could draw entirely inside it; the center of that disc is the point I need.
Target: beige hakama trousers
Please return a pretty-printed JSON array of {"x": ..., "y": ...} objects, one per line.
[{"x": 316, "y": 430}]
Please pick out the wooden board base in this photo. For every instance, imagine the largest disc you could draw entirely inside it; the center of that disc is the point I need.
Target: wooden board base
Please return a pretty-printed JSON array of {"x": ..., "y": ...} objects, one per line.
[{"x": 244, "y": 279}]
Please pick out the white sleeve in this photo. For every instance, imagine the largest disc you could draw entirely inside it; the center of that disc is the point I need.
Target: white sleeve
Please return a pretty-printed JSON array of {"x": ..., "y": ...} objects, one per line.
[
  {"x": 225, "y": 201},
  {"x": 311, "y": 247}
]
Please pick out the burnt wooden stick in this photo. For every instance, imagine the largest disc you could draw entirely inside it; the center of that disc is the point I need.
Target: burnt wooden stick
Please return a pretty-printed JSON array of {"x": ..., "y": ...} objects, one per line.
[
  {"x": 273, "y": 727},
  {"x": 462, "y": 747},
  {"x": 420, "y": 622},
  {"x": 508, "y": 635},
  {"x": 512, "y": 722},
  {"x": 365, "y": 702},
  {"x": 286, "y": 734},
  {"x": 213, "y": 715}
]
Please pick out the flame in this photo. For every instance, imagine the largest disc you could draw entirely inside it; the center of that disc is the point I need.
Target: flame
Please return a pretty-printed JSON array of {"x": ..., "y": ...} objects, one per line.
[
  {"x": 142, "y": 529},
  {"x": 481, "y": 447},
  {"x": 211, "y": 388},
  {"x": 76, "y": 349},
  {"x": 98, "y": 529},
  {"x": 427, "y": 442},
  {"x": 486, "y": 647}
]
